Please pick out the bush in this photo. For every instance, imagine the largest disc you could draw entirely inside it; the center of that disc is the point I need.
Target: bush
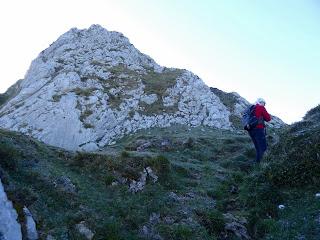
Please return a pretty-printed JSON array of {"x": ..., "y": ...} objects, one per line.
[
  {"x": 23, "y": 195},
  {"x": 109, "y": 179},
  {"x": 8, "y": 156},
  {"x": 79, "y": 160},
  {"x": 189, "y": 143},
  {"x": 296, "y": 161},
  {"x": 86, "y": 92},
  {"x": 161, "y": 165},
  {"x": 260, "y": 195},
  {"x": 3, "y": 98},
  {"x": 265, "y": 226},
  {"x": 125, "y": 154},
  {"x": 213, "y": 221},
  {"x": 91, "y": 161},
  {"x": 111, "y": 231},
  {"x": 182, "y": 232}
]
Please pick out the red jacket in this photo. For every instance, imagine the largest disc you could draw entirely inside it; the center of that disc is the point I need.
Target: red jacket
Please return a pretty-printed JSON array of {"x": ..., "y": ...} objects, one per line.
[{"x": 262, "y": 113}]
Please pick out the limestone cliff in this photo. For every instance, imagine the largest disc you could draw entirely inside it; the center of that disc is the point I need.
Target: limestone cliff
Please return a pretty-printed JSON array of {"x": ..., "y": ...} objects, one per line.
[{"x": 92, "y": 86}]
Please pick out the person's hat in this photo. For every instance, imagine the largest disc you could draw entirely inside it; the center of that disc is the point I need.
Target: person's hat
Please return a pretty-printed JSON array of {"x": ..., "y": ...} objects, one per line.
[{"x": 261, "y": 101}]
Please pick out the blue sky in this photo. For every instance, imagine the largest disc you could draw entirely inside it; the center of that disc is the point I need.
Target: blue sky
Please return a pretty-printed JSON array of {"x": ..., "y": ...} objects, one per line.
[{"x": 268, "y": 49}]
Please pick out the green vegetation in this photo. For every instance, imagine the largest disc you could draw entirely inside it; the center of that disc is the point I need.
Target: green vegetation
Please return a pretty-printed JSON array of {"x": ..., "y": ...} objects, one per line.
[
  {"x": 56, "y": 97},
  {"x": 115, "y": 100},
  {"x": 3, "y": 99},
  {"x": 290, "y": 176},
  {"x": 121, "y": 78},
  {"x": 85, "y": 92},
  {"x": 8, "y": 155},
  {"x": 204, "y": 175},
  {"x": 158, "y": 83},
  {"x": 184, "y": 164},
  {"x": 228, "y": 99},
  {"x": 157, "y": 108},
  {"x": 213, "y": 221},
  {"x": 85, "y": 114},
  {"x": 88, "y": 125},
  {"x": 124, "y": 79}
]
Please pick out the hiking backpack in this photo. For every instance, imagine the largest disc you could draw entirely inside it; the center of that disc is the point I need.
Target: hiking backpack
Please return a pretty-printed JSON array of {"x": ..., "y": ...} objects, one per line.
[{"x": 249, "y": 119}]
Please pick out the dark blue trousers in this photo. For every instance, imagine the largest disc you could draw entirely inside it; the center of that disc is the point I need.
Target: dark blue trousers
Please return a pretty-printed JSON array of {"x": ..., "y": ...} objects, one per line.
[{"x": 258, "y": 137}]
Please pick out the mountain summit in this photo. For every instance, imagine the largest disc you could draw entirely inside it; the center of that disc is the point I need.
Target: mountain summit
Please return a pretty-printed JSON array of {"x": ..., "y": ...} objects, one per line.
[{"x": 92, "y": 86}]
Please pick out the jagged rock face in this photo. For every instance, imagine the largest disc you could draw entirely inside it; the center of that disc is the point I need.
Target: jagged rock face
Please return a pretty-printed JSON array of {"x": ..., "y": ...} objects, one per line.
[{"x": 92, "y": 86}]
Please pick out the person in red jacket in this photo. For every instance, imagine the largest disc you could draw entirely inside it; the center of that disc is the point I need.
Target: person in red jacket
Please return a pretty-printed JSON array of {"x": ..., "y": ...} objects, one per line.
[{"x": 258, "y": 134}]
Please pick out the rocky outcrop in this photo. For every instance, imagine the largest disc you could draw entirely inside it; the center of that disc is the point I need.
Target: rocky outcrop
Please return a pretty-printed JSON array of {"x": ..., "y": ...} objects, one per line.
[
  {"x": 92, "y": 86},
  {"x": 84, "y": 230},
  {"x": 136, "y": 186},
  {"x": 10, "y": 229},
  {"x": 32, "y": 233},
  {"x": 236, "y": 226}
]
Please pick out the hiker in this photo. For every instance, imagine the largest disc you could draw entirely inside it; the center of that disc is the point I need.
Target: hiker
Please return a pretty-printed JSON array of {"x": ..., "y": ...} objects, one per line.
[{"x": 258, "y": 133}]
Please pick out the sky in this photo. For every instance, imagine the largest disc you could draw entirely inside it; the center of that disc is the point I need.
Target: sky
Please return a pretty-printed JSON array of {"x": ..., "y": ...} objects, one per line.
[{"x": 268, "y": 49}]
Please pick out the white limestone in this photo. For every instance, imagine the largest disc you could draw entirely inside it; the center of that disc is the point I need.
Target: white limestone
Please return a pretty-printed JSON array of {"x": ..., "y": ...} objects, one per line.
[
  {"x": 86, "y": 91},
  {"x": 10, "y": 229},
  {"x": 84, "y": 230},
  {"x": 32, "y": 233},
  {"x": 149, "y": 99},
  {"x": 136, "y": 186}
]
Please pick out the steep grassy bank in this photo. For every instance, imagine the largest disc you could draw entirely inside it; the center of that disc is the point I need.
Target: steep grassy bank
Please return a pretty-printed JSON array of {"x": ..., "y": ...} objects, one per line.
[
  {"x": 63, "y": 189},
  {"x": 205, "y": 186},
  {"x": 290, "y": 176}
]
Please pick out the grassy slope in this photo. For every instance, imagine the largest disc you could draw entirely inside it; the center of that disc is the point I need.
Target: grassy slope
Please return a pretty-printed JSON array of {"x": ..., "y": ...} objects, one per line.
[
  {"x": 289, "y": 176},
  {"x": 190, "y": 172},
  {"x": 202, "y": 172}
]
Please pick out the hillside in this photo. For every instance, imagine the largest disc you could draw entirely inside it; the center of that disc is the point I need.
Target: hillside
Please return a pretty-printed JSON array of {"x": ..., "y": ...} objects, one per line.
[
  {"x": 92, "y": 86},
  {"x": 98, "y": 141},
  {"x": 190, "y": 169},
  {"x": 170, "y": 183},
  {"x": 290, "y": 176}
]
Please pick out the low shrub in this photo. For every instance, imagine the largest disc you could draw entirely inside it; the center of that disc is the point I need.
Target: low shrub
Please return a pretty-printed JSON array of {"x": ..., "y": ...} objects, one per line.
[
  {"x": 212, "y": 220},
  {"x": 295, "y": 161},
  {"x": 8, "y": 156},
  {"x": 162, "y": 166},
  {"x": 182, "y": 232},
  {"x": 111, "y": 231},
  {"x": 109, "y": 179},
  {"x": 125, "y": 154},
  {"x": 91, "y": 161}
]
